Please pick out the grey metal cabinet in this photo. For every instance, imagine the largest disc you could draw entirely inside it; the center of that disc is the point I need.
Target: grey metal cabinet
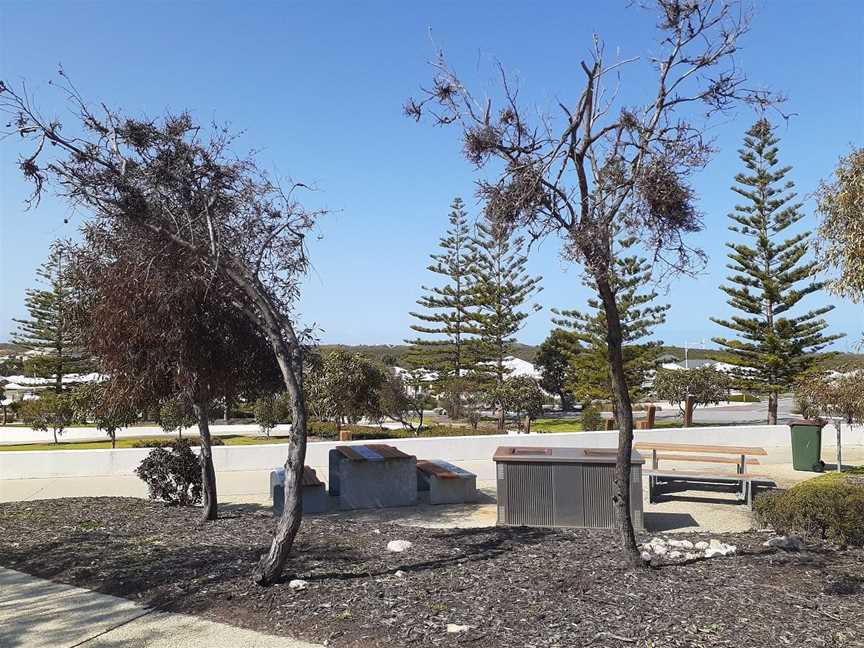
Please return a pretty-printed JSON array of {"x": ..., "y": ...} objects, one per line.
[{"x": 562, "y": 487}]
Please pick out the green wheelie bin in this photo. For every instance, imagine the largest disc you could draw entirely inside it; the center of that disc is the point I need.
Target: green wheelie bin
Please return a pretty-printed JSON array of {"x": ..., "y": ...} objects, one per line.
[{"x": 807, "y": 446}]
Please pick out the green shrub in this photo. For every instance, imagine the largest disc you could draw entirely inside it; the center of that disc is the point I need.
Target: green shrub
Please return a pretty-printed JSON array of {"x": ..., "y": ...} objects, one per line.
[
  {"x": 454, "y": 431},
  {"x": 829, "y": 507},
  {"x": 591, "y": 418},
  {"x": 172, "y": 475},
  {"x": 327, "y": 430},
  {"x": 167, "y": 443}
]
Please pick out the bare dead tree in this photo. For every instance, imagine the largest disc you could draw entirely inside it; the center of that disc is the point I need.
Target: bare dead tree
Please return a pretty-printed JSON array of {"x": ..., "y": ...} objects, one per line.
[
  {"x": 601, "y": 168},
  {"x": 181, "y": 183}
]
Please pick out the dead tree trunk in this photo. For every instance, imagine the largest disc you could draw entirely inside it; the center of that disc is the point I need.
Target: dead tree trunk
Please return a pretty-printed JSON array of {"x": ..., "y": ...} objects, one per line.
[
  {"x": 772, "y": 408},
  {"x": 208, "y": 473},
  {"x": 289, "y": 356},
  {"x": 624, "y": 416}
]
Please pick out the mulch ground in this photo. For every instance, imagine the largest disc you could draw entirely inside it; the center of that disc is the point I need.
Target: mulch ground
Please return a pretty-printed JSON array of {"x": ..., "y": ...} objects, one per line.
[{"x": 512, "y": 587}]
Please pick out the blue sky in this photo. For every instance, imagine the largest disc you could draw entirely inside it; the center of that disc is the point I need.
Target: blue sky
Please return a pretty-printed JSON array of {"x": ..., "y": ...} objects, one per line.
[{"x": 318, "y": 89}]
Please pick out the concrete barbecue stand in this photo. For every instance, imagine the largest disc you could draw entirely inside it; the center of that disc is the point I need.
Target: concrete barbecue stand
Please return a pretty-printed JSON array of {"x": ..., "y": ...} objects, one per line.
[{"x": 372, "y": 476}]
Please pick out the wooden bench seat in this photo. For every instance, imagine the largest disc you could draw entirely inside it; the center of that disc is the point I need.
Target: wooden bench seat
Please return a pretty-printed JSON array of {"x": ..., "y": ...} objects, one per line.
[
  {"x": 706, "y": 459},
  {"x": 605, "y": 452},
  {"x": 705, "y": 449},
  {"x": 446, "y": 483},
  {"x": 739, "y": 456},
  {"x": 725, "y": 474},
  {"x": 313, "y": 491},
  {"x": 438, "y": 470},
  {"x": 310, "y": 477}
]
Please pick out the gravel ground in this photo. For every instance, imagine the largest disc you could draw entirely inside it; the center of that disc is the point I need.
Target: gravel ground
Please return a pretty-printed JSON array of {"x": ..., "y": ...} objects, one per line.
[{"x": 511, "y": 587}]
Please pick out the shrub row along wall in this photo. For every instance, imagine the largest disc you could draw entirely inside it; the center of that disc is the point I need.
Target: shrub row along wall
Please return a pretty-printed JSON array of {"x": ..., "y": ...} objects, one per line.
[{"x": 472, "y": 452}]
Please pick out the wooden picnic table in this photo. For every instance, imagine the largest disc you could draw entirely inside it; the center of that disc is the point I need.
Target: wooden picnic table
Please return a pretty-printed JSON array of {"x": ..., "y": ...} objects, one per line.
[
  {"x": 682, "y": 452},
  {"x": 740, "y": 456}
]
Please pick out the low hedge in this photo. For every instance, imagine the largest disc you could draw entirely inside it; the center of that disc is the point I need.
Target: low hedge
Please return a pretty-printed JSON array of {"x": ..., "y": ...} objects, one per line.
[
  {"x": 327, "y": 430},
  {"x": 829, "y": 507},
  {"x": 168, "y": 443}
]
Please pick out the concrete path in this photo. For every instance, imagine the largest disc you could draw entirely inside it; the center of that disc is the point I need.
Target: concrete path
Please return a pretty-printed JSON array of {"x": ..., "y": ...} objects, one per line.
[
  {"x": 20, "y": 434},
  {"x": 36, "y": 613}
]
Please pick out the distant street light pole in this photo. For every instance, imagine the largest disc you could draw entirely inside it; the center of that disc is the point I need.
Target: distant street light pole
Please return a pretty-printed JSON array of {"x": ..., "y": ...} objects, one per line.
[{"x": 701, "y": 343}]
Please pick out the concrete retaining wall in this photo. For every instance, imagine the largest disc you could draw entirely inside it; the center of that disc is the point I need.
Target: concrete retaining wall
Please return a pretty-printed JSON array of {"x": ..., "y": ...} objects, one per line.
[{"x": 473, "y": 452}]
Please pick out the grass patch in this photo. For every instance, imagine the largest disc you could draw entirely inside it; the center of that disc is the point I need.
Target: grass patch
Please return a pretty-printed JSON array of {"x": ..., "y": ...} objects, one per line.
[
  {"x": 556, "y": 425},
  {"x": 129, "y": 442}
]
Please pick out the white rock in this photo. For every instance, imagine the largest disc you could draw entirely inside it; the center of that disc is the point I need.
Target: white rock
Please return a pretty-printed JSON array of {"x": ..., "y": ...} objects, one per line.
[
  {"x": 720, "y": 549},
  {"x": 646, "y": 556},
  {"x": 691, "y": 556},
  {"x": 675, "y": 554},
  {"x": 701, "y": 545},
  {"x": 398, "y": 546},
  {"x": 714, "y": 543},
  {"x": 675, "y": 543},
  {"x": 657, "y": 541},
  {"x": 786, "y": 543},
  {"x": 455, "y": 628},
  {"x": 399, "y": 573},
  {"x": 686, "y": 544},
  {"x": 298, "y": 584},
  {"x": 660, "y": 550}
]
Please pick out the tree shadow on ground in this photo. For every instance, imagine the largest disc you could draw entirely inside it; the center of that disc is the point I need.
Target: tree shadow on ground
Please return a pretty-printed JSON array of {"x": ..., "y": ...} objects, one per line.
[
  {"x": 658, "y": 521},
  {"x": 474, "y": 545},
  {"x": 683, "y": 492}
]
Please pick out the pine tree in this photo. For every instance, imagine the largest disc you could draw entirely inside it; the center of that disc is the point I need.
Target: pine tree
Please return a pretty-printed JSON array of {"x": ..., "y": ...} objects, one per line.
[
  {"x": 501, "y": 286},
  {"x": 50, "y": 331},
  {"x": 589, "y": 378},
  {"x": 553, "y": 359},
  {"x": 772, "y": 275},
  {"x": 445, "y": 322}
]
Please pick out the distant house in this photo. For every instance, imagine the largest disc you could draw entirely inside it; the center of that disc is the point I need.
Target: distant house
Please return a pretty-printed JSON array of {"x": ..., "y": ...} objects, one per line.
[
  {"x": 696, "y": 363},
  {"x": 18, "y": 388},
  {"x": 516, "y": 366}
]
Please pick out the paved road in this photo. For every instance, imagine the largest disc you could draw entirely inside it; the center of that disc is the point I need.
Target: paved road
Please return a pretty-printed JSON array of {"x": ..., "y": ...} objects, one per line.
[
  {"x": 746, "y": 413},
  {"x": 36, "y": 613},
  {"x": 18, "y": 434}
]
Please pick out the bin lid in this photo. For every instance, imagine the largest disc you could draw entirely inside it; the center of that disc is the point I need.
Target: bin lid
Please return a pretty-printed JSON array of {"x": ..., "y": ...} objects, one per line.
[
  {"x": 815, "y": 422},
  {"x": 538, "y": 454}
]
